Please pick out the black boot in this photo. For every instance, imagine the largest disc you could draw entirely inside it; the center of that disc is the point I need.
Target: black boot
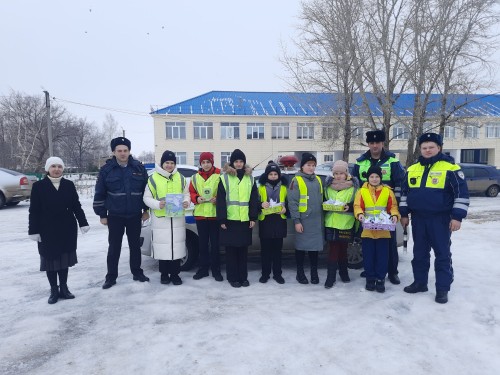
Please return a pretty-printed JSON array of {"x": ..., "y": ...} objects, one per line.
[
  {"x": 314, "y": 275},
  {"x": 301, "y": 276},
  {"x": 54, "y": 295},
  {"x": 343, "y": 272},
  {"x": 331, "y": 276},
  {"x": 299, "y": 258},
  {"x": 65, "y": 293},
  {"x": 380, "y": 286},
  {"x": 200, "y": 274}
]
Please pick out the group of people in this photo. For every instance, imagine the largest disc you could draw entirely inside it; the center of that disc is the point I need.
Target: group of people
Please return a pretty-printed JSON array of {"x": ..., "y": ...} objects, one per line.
[{"x": 228, "y": 204}]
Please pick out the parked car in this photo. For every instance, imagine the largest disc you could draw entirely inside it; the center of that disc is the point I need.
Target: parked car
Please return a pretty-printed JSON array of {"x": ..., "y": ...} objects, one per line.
[
  {"x": 14, "y": 187},
  {"x": 185, "y": 169},
  {"x": 482, "y": 179},
  {"x": 327, "y": 167}
]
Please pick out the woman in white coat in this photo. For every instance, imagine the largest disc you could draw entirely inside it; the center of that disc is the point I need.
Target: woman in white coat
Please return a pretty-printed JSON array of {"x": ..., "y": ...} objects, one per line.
[{"x": 167, "y": 195}]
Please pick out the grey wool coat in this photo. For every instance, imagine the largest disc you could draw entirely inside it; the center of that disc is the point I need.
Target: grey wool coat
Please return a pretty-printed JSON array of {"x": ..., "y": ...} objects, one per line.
[{"x": 312, "y": 220}]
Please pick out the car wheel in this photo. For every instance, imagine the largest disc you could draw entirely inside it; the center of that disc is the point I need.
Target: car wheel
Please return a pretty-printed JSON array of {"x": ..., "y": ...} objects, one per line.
[
  {"x": 12, "y": 203},
  {"x": 2, "y": 200},
  {"x": 492, "y": 191},
  {"x": 192, "y": 251},
  {"x": 354, "y": 256}
]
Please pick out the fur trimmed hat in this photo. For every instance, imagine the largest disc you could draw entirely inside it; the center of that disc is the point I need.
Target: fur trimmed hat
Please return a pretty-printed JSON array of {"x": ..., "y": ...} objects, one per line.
[
  {"x": 53, "y": 160},
  {"x": 168, "y": 156},
  {"x": 237, "y": 155},
  {"x": 307, "y": 156},
  {"x": 431, "y": 137},
  {"x": 374, "y": 169},
  {"x": 120, "y": 141},
  {"x": 207, "y": 156},
  {"x": 375, "y": 136}
]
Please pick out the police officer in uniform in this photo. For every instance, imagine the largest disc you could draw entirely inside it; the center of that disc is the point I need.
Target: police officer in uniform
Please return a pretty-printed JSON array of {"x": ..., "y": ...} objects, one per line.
[
  {"x": 118, "y": 202},
  {"x": 392, "y": 175},
  {"x": 434, "y": 192}
]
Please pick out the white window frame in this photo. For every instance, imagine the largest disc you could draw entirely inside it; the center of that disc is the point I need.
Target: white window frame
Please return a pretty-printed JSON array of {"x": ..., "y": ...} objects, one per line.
[
  {"x": 449, "y": 132},
  {"x": 203, "y": 130},
  {"x": 177, "y": 130},
  {"x": 228, "y": 130},
  {"x": 255, "y": 130},
  {"x": 181, "y": 157},
  {"x": 327, "y": 158},
  {"x": 305, "y": 130},
  {"x": 400, "y": 132},
  {"x": 471, "y": 131},
  {"x": 357, "y": 131},
  {"x": 327, "y": 131},
  {"x": 493, "y": 131},
  {"x": 280, "y": 130},
  {"x": 225, "y": 156}
]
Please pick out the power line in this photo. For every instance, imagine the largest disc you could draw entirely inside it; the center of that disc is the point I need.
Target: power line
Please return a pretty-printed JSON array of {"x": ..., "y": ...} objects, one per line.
[{"x": 125, "y": 111}]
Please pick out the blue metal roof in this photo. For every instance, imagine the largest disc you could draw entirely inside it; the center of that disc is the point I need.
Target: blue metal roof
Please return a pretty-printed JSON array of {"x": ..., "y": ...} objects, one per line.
[{"x": 317, "y": 104}]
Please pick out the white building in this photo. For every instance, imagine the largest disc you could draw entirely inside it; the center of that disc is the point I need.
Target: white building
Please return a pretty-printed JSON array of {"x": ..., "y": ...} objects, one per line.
[{"x": 267, "y": 125}]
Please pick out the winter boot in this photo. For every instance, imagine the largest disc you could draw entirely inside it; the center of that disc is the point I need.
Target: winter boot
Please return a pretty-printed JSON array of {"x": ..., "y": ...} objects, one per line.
[
  {"x": 441, "y": 296},
  {"x": 65, "y": 293},
  {"x": 380, "y": 286},
  {"x": 415, "y": 287},
  {"x": 200, "y": 274},
  {"x": 54, "y": 295},
  {"x": 370, "y": 285},
  {"x": 343, "y": 272},
  {"x": 301, "y": 276},
  {"x": 314, "y": 275},
  {"x": 331, "y": 276}
]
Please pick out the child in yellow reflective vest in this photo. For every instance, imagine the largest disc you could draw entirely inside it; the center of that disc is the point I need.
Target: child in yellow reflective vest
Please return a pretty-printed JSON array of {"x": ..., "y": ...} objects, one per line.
[{"x": 371, "y": 200}]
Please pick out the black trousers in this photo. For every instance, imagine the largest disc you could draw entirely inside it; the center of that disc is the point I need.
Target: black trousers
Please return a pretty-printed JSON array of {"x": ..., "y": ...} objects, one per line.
[
  {"x": 270, "y": 255},
  {"x": 300, "y": 256},
  {"x": 236, "y": 263},
  {"x": 170, "y": 267},
  {"x": 208, "y": 235},
  {"x": 117, "y": 226},
  {"x": 392, "y": 268}
]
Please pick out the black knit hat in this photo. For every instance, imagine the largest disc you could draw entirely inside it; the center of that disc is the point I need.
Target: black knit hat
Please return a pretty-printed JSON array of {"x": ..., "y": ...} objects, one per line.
[
  {"x": 168, "y": 156},
  {"x": 307, "y": 156},
  {"x": 237, "y": 155},
  {"x": 119, "y": 141},
  {"x": 374, "y": 169},
  {"x": 272, "y": 167},
  {"x": 431, "y": 137},
  {"x": 375, "y": 136}
]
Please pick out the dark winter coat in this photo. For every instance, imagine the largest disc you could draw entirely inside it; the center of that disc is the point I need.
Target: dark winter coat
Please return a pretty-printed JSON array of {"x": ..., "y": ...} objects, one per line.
[
  {"x": 273, "y": 226},
  {"x": 53, "y": 214},
  {"x": 238, "y": 233},
  {"x": 119, "y": 190}
]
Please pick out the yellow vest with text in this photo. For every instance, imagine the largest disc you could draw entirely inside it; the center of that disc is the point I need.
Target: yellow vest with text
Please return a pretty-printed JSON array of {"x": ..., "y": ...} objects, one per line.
[
  {"x": 237, "y": 196},
  {"x": 160, "y": 186},
  {"x": 436, "y": 178},
  {"x": 303, "y": 196},
  {"x": 263, "y": 198},
  {"x": 340, "y": 219},
  {"x": 374, "y": 208},
  {"x": 205, "y": 209}
]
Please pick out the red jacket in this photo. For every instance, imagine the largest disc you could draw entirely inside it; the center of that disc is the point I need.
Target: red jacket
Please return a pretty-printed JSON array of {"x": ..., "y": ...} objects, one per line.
[{"x": 194, "y": 194}]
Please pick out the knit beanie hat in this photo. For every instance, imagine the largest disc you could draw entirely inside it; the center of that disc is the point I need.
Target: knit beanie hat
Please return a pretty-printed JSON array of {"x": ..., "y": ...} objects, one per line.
[
  {"x": 237, "y": 155},
  {"x": 53, "y": 160},
  {"x": 306, "y": 156},
  {"x": 168, "y": 156},
  {"x": 207, "y": 156},
  {"x": 340, "y": 166},
  {"x": 431, "y": 137},
  {"x": 272, "y": 167},
  {"x": 119, "y": 141},
  {"x": 375, "y": 136},
  {"x": 374, "y": 169}
]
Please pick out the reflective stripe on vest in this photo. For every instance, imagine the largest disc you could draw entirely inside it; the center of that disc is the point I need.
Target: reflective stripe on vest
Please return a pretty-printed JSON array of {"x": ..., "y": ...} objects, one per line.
[
  {"x": 340, "y": 219},
  {"x": 386, "y": 169},
  {"x": 263, "y": 198},
  {"x": 160, "y": 186},
  {"x": 205, "y": 209},
  {"x": 436, "y": 178},
  {"x": 303, "y": 197},
  {"x": 374, "y": 208},
  {"x": 237, "y": 196}
]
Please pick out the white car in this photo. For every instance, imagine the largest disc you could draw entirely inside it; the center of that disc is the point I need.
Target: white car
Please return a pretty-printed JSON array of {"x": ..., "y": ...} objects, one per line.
[{"x": 14, "y": 187}]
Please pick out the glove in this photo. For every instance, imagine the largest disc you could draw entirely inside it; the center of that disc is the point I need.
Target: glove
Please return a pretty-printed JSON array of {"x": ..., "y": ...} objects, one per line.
[
  {"x": 35, "y": 237},
  {"x": 85, "y": 229}
]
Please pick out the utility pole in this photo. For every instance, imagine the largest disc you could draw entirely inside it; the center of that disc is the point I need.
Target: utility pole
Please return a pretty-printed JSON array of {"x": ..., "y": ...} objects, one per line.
[{"x": 49, "y": 125}]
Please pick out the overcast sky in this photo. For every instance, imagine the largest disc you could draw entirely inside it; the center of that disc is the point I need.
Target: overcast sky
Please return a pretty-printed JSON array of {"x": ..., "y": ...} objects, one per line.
[{"x": 135, "y": 54}]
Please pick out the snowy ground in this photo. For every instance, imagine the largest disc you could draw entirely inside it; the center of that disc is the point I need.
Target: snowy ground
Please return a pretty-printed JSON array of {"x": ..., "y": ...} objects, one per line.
[{"x": 205, "y": 327}]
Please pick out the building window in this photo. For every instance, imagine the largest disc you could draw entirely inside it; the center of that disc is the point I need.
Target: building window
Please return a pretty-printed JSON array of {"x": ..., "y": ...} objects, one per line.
[
  {"x": 449, "y": 132},
  {"x": 357, "y": 132},
  {"x": 224, "y": 157},
  {"x": 429, "y": 127},
  {"x": 327, "y": 131},
  {"x": 492, "y": 131},
  {"x": 467, "y": 156},
  {"x": 197, "y": 158},
  {"x": 230, "y": 130},
  {"x": 305, "y": 130},
  {"x": 175, "y": 130},
  {"x": 255, "y": 130},
  {"x": 181, "y": 157},
  {"x": 327, "y": 158},
  {"x": 280, "y": 130},
  {"x": 471, "y": 131},
  {"x": 399, "y": 132},
  {"x": 203, "y": 130}
]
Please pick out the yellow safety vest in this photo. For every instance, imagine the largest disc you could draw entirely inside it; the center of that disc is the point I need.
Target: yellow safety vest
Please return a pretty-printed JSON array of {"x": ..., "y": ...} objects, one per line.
[
  {"x": 374, "y": 208},
  {"x": 340, "y": 219},
  {"x": 436, "y": 178},
  {"x": 205, "y": 209},
  {"x": 237, "y": 196},
  {"x": 160, "y": 186},
  {"x": 303, "y": 197},
  {"x": 263, "y": 198}
]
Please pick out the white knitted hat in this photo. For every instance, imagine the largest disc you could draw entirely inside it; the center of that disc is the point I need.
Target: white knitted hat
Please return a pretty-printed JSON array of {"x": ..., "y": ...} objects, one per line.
[{"x": 53, "y": 160}]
